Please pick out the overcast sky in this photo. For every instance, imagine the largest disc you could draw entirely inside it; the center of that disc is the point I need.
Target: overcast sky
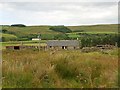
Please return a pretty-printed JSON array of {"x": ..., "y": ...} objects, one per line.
[{"x": 58, "y": 13}]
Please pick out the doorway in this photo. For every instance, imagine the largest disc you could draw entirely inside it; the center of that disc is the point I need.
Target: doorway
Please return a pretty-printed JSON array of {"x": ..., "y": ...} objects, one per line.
[
  {"x": 64, "y": 47},
  {"x": 16, "y": 47}
]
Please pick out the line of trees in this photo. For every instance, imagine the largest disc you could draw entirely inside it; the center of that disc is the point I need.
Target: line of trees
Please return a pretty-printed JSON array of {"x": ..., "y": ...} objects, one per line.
[
  {"x": 18, "y": 25},
  {"x": 100, "y": 40}
]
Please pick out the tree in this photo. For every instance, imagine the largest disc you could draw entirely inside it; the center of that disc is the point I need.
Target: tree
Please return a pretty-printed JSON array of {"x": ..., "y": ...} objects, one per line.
[
  {"x": 4, "y": 31},
  {"x": 18, "y": 25}
]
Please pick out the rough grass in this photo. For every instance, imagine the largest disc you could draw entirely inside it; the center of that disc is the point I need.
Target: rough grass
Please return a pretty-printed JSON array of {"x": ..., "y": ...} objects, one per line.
[{"x": 63, "y": 69}]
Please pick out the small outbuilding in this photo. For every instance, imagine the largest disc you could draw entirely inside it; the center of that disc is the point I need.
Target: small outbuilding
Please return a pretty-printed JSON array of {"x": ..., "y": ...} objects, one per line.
[
  {"x": 63, "y": 44},
  {"x": 13, "y": 47}
]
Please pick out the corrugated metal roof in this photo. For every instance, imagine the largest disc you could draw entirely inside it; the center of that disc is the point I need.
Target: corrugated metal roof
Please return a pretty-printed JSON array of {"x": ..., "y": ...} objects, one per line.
[{"x": 63, "y": 43}]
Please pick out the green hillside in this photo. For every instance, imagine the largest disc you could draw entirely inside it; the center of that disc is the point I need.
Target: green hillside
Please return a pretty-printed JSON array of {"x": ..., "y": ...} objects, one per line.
[
  {"x": 29, "y": 32},
  {"x": 108, "y": 28},
  {"x": 30, "y": 29},
  {"x": 46, "y": 30}
]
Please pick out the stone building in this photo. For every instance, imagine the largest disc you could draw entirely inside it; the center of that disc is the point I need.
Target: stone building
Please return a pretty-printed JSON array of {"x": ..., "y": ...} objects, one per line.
[{"x": 63, "y": 44}]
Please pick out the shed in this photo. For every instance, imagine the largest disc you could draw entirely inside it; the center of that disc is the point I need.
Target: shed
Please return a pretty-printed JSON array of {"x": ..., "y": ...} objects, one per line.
[{"x": 13, "y": 47}]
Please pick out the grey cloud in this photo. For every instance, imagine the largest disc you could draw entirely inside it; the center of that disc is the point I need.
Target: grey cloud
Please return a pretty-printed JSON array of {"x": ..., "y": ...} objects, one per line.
[
  {"x": 67, "y": 13},
  {"x": 57, "y": 6},
  {"x": 59, "y": 0}
]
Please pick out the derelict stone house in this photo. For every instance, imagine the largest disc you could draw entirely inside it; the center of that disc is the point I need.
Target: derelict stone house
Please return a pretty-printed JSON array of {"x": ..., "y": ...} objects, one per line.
[{"x": 63, "y": 44}]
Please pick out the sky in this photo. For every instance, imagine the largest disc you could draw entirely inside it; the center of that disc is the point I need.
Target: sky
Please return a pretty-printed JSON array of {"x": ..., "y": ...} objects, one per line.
[{"x": 58, "y": 13}]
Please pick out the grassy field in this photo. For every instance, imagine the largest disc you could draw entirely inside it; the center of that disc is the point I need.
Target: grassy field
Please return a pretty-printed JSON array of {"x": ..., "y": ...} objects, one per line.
[{"x": 63, "y": 69}]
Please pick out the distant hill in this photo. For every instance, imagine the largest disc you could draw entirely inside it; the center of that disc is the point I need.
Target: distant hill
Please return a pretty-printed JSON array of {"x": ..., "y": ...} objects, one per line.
[
  {"x": 46, "y": 30},
  {"x": 96, "y": 28},
  {"x": 32, "y": 31}
]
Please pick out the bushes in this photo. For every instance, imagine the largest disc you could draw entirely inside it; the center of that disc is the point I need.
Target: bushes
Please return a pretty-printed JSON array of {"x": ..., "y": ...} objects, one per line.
[
  {"x": 89, "y": 39},
  {"x": 3, "y": 31},
  {"x": 98, "y": 39}
]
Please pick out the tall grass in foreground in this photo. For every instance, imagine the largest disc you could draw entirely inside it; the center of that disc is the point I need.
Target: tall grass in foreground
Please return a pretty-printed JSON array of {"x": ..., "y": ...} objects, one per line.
[{"x": 66, "y": 69}]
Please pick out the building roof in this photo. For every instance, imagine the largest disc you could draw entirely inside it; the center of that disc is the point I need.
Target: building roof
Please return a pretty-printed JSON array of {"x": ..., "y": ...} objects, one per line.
[{"x": 63, "y": 43}]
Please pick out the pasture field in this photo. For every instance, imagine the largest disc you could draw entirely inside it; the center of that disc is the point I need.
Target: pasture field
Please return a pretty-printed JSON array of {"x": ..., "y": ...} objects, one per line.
[{"x": 61, "y": 69}]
